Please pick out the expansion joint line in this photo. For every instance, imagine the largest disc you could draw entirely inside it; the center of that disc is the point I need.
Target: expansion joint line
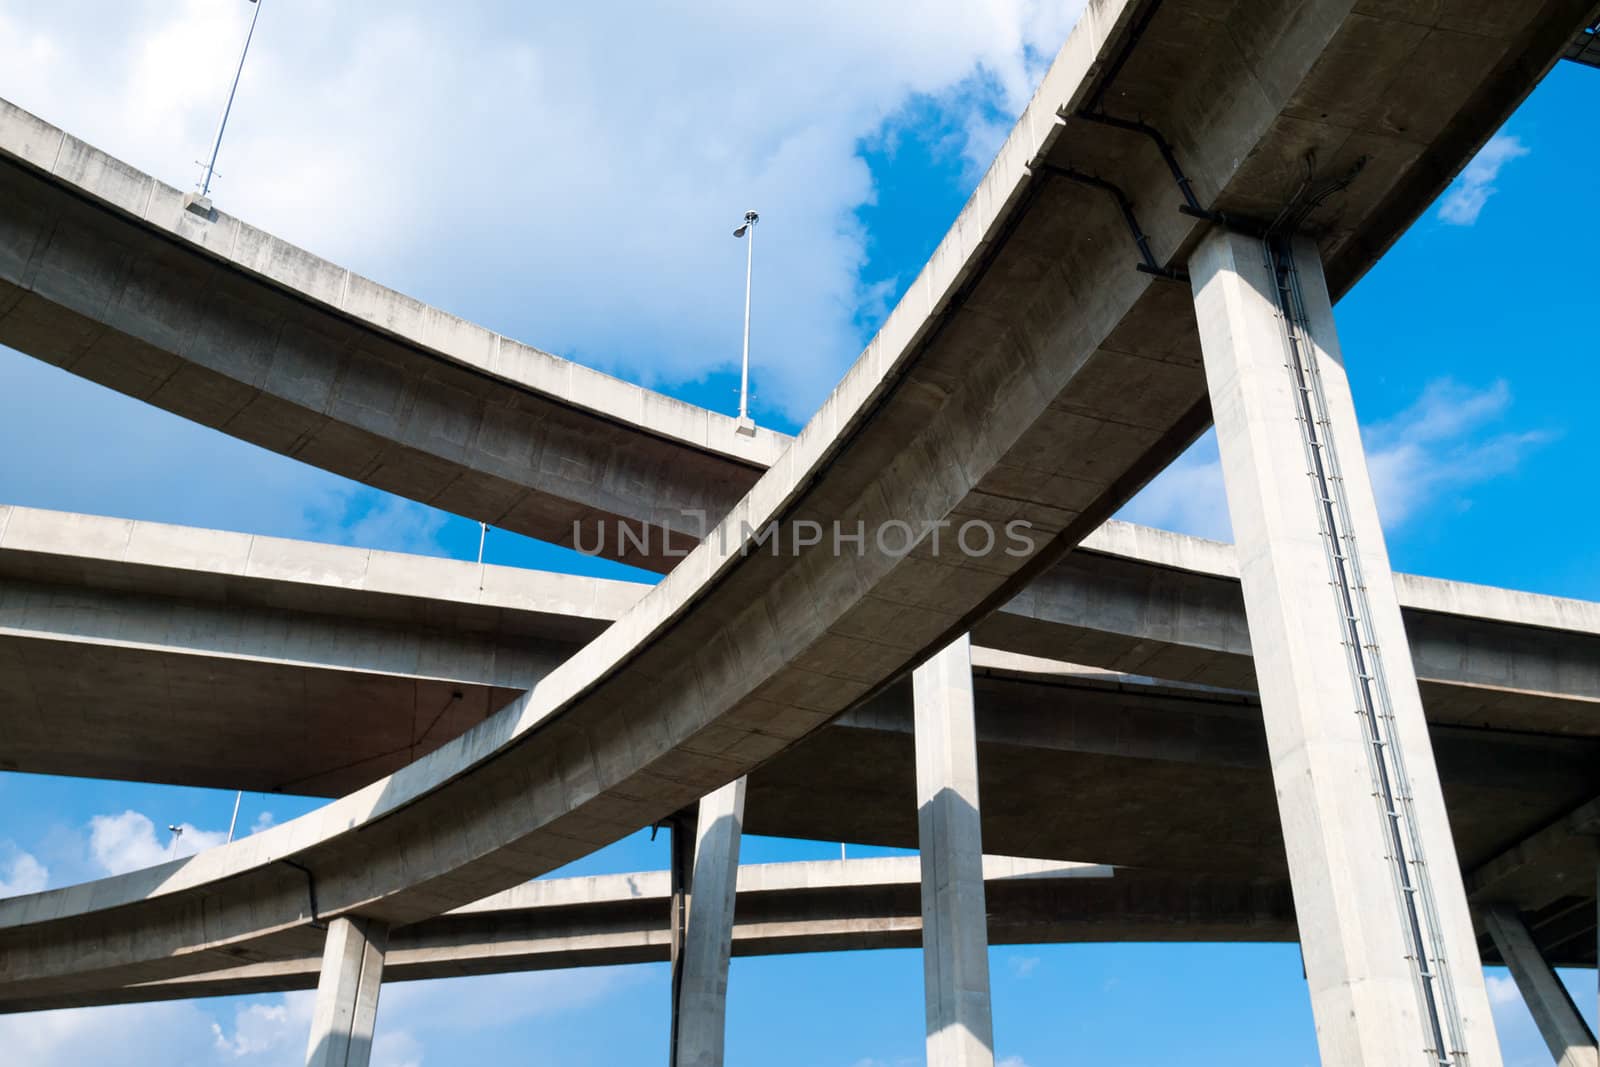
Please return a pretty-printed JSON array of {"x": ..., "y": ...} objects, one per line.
[{"x": 1391, "y": 784}]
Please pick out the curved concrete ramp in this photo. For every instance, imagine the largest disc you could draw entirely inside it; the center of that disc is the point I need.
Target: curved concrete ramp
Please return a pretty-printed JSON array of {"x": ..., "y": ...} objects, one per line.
[
  {"x": 104, "y": 272},
  {"x": 1029, "y": 375}
]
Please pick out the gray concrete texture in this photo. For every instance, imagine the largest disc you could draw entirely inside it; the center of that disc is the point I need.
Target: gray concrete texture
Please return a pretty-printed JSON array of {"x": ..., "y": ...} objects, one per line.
[
  {"x": 955, "y": 946},
  {"x": 297, "y": 667},
  {"x": 1390, "y": 955},
  {"x": 344, "y": 1016},
  {"x": 1003, "y": 386},
  {"x": 1145, "y": 756},
  {"x": 817, "y": 906},
  {"x": 701, "y": 996},
  {"x": 106, "y": 274}
]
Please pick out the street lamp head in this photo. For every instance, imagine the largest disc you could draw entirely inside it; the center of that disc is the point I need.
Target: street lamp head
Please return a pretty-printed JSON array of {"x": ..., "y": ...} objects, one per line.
[
  {"x": 740, "y": 231},
  {"x": 750, "y": 219}
]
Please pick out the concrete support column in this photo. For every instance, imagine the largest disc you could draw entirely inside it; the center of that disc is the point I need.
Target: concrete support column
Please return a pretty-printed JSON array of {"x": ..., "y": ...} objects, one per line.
[
  {"x": 346, "y": 1009},
  {"x": 1390, "y": 956},
  {"x": 955, "y": 932},
  {"x": 700, "y": 1014},
  {"x": 1562, "y": 1028},
  {"x": 681, "y": 827}
]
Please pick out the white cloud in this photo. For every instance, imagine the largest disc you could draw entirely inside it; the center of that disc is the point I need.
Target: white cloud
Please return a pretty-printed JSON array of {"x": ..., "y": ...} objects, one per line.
[
  {"x": 1188, "y": 497},
  {"x": 21, "y": 873},
  {"x": 1502, "y": 989},
  {"x": 370, "y": 519},
  {"x": 1464, "y": 202},
  {"x": 489, "y": 1001},
  {"x": 101, "y": 453},
  {"x": 272, "y": 1031},
  {"x": 262, "y": 1027},
  {"x": 1022, "y": 966},
  {"x": 128, "y": 842},
  {"x": 135, "y": 1035},
  {"x": 568, "y": 173},
  {"x": 1012, "y": 1061},
  {"x": 1442, "y": 443}
]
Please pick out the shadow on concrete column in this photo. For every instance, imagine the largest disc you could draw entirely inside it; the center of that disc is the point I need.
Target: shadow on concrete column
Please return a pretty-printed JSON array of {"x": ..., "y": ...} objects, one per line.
[
  {"x": 955, "y": 934},
  {"x": 701, "y": 997},
  {"x": 1390, "y": 954},
  {"x": 346, "y": 1009}
]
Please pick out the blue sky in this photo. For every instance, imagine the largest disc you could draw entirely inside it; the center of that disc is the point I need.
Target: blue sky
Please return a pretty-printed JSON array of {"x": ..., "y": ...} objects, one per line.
[{"x": 615, "y": 174}]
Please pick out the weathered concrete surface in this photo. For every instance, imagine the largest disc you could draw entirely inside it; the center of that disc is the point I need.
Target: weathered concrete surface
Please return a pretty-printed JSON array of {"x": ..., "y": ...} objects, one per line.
[
  {"x": 1391, "y": 959},
  {"x": 955, "y": 947},
  {"x": 277, "y": 665},
  {"x": 106, "y": 274},
  {"x": 1547, "y": 876},
  {"x": 1177, "y": 779},
  {"x": 1500, "y": 787},
  {"x": 700, "y": 1010},
  {"x": 1028, "y": 375},
  {"x": 260, "y": 663},
  {"x": 345, "y": 1013},
  {"x": 1149, "y": 602},
  {"x": 1560, "y": 1024},
  {"x": 783, "y": 908}
]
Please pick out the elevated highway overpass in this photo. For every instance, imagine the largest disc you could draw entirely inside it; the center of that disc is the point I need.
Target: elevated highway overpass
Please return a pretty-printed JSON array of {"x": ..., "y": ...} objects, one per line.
[
  {"x": 284, "y": 666},
  {"x": 817, "y": 906},
  {"x": 105, "y": 274},
  {"x": 1029, "y": 375},
  {"x": 112, "y": 629}
]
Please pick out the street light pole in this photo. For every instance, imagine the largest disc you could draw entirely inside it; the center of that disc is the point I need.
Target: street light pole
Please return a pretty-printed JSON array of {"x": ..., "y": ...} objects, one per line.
[
  {"x": 746, "y": 425},
  {"x": 233, "y": 823},
  {"x": 216, "y": 144}
]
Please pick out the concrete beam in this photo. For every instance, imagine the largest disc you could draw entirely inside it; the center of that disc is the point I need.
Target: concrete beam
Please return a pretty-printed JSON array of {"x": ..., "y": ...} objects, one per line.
[
  {"x": 1555, "y": 860},
  {"x": 700, "y": 995},
  {"x": 1029, "y": 375},
  {"x": 955, "y": 948},
  {"x": 108, "y": 276},
  {"x": 1147, "y": 602},
  {"x": 1390, "y": 955},
  {"x": 345, "y": 1014},
  {"x": 783, "y": 908},
  {"x": 1563, "y": 1029},
  {"x": 207, "y": 636}
]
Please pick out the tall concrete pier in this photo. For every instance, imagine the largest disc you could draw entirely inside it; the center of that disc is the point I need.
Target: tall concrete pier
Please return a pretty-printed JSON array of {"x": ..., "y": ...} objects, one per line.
[
  {"x": 1568, "y": 1037},
  {"x": 955, "y": 945},
  {"x": 346, "y": 1011},
  {"x": 481, "y": 727},
  {"x": 700, "y": 1014},
  {"x": 1389, "y": 948}
]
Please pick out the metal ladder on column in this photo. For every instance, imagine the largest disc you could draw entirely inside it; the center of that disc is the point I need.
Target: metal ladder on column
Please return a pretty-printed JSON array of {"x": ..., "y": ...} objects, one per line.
[{"x": 1391, "y": 786}]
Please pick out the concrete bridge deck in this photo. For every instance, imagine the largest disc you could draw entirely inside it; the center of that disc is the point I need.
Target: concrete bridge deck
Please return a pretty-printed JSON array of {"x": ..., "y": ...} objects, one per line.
[
  {"x": 1028, "y": 375},
  {"x": 820, "y": 906},
  {"x": 1151, "y": 759},
  {"x": 104, "y": 273},
  {"x": 284, "y": 666}
]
